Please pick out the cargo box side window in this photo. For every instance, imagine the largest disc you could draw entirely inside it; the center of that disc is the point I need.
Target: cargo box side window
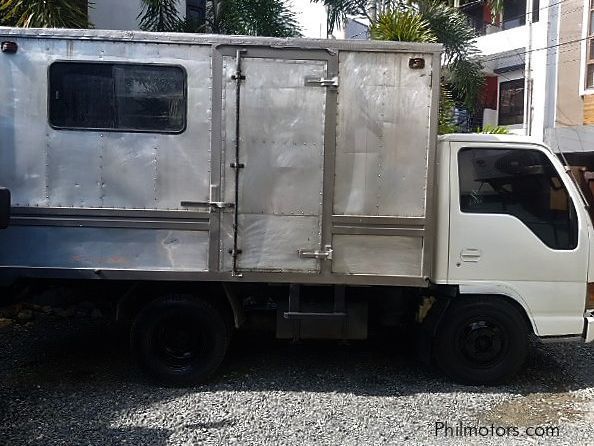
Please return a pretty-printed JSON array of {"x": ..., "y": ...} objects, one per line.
[
  {"x": 522, "y": 183},
  {"x": 117, "y": 97}
]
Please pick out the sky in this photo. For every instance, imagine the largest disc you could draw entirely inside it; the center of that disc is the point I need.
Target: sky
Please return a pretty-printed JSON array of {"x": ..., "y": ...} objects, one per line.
[{"x": 312, "y": 18}]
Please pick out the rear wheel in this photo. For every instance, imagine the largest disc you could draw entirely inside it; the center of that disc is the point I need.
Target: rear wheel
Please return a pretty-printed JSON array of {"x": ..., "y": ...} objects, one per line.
[
  {"x": 481, "y": 341},
  {"x": 180, "y": 340}
]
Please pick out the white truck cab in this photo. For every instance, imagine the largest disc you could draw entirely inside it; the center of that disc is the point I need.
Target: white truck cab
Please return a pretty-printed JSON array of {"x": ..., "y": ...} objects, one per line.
[
  {"x": 512, "y": 222},
  {"x": 514, "y": 241}
]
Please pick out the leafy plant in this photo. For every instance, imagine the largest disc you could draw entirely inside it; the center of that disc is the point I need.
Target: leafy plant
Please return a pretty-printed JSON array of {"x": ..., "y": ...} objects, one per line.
[
  {"x": 447, "y": 123},
  {"x": 465, "y": 77},
  {"x": 461, "y": 70},
  {"x": 402, "y": 25},
  {"x": 45, "y": 13},
  {"x": 251, "y": 17},
  {"x": 493, "y": 130},
  {"x": 340, "y": 10}
]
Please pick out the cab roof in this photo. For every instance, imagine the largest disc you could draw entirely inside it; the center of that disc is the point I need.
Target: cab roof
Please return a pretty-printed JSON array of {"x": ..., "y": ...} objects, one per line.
[{"x": 488, "y": 137}]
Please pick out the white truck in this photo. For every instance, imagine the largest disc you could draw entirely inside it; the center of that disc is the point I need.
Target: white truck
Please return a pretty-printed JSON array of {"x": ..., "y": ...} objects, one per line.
[{"x": 208, "y": 183}]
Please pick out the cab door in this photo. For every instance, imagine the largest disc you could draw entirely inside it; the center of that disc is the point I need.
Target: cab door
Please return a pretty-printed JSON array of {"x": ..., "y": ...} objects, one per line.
[{"x": 515, "y": 230}]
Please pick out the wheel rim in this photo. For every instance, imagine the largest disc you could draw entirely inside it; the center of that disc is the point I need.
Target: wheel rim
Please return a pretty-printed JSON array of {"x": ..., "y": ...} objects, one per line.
[
  {"x": 178, "y": 342},
  {"x": 483, "y": 342}
]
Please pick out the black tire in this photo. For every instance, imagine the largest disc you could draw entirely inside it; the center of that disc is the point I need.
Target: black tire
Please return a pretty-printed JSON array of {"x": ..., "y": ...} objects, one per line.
[
  {"x": 180, "y": 340},
  {"x": 481, "y": 340}
]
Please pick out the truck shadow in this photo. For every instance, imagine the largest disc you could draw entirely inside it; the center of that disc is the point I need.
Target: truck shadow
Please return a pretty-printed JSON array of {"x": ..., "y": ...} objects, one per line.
[
  {"x": 387, "y": 367},
  {"x": 69, "y": 379}
]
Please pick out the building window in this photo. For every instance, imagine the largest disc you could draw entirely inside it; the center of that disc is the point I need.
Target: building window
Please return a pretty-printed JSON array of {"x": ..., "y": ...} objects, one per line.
[
  {"x": 514, "y": 13},
  {"x": 482, "y": 19},
  {"x": 590, "y": 48},
  {"x": 511, "y": 102},
  {"x": 478, "y": 15},
  {"x": 117, "y": 97},
  {"x": 535, "y": 10},
  {"x": 520, "y": 183},
  {"x": 195, "y": 11}
]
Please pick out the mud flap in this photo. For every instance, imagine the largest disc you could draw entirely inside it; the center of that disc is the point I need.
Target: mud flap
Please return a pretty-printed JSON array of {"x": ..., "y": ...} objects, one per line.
[
  {"x": 4, "y": 207},
  {"x": 428, "y": 328}
]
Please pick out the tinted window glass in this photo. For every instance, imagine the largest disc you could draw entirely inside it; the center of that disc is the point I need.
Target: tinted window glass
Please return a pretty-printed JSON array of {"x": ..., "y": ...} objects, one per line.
[
  {"x": 511, "y": 102},
  {"x": 522, "y": 183},
  {"x": 117, "y": 97}
]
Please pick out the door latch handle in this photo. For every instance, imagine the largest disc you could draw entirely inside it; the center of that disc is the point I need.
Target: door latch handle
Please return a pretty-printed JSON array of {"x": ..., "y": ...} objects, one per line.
[
  {"x": 207, "y": 204},
  {"x": 470, "y": 255},
  {"x": 212, "y": 204},
  {"x": 325, "y": 254},
  {"x": 321, "y": 81}
]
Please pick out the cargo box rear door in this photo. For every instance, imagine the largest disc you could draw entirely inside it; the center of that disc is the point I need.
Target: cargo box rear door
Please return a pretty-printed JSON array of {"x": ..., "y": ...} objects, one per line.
[{"x": 277, "y": 167}]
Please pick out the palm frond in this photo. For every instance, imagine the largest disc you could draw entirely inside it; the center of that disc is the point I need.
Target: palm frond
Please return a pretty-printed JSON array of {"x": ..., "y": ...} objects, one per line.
[
  {"x": 451, "y": 29},
  {"x": 446, "y": 112},
  {"x": 493, "y": 130},
  {"x": 402, "y": 25},
  {"x": 44, "y": 13},
  {"x": 272, "y": 18},
  {"x": 159, "y": 15},
  {"x": 466, "y": 78}
]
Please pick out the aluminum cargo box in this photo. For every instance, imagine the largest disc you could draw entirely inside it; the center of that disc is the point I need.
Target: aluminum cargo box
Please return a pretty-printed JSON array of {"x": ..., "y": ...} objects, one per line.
[{"x": 289, "y": 160}]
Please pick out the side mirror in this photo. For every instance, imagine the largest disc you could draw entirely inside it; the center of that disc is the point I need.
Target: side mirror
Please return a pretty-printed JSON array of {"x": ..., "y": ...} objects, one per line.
[{"x": 4, "y": 207}]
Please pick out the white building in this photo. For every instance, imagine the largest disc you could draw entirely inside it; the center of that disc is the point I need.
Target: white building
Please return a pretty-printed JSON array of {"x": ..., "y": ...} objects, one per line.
[
  {"x": 517, "y": 65},
  {"x": 541, "y": 68},
  {"x": 572, "y": 82}
]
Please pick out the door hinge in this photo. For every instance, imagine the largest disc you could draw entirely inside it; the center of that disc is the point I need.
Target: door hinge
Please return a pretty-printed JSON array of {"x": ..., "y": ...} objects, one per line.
[
  {"x": 314, "y": 81},
  {"x": 325, "y": 254}
]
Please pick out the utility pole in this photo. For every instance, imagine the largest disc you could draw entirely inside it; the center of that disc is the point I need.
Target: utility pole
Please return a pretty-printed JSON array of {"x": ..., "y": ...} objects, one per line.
[
  {"x": 528, "y": 84},
  {"x": 372, "y": 8}
]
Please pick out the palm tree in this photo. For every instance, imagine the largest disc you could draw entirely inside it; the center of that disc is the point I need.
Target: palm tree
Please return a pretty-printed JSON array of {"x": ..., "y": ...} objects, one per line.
[
  {"x": 251, "y": 17},
  {"x": 45, "y": 13},
  {"x": 340, "y": 10},
  {"x": 462, "y": 69},
  {"x": 244, "y": 17}
]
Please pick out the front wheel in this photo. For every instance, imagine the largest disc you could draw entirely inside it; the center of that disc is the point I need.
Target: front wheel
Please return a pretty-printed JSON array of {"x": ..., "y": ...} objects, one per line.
[
  {"x": 481, "y": 340},
  {"x": 180, "y": 340}
]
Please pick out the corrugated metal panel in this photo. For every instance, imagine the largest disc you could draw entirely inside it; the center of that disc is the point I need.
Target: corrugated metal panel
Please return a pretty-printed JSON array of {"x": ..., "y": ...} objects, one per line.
[
  {"x": 23, "y": 128},
  {"x": 272, "y": 242},
  {"x": 47, "y": 167},
  {"x": 137, "y": 249},
  {"x": 382, "y": 135},
  {"x": 377, "y": 255}
]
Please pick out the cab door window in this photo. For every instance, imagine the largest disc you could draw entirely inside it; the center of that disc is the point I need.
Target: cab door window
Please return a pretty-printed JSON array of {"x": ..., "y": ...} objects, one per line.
[{"x": 522, "y": 183}]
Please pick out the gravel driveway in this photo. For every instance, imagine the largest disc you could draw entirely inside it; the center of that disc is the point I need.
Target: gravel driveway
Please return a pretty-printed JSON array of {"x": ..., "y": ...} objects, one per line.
[{"x": 71, "y": 381}]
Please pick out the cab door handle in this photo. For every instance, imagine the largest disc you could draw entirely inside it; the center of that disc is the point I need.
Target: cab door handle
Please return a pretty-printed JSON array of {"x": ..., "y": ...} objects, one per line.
[{"x": 470, "y": 255}]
